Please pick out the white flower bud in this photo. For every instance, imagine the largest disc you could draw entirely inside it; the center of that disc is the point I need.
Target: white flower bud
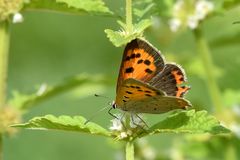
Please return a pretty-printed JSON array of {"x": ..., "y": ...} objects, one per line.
[
  {"x": 174, "y": 24},
  {"x": 17, "y": 18}
]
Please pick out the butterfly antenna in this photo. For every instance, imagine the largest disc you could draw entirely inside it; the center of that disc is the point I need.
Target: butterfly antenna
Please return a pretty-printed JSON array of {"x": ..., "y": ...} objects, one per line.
[
  {"x": 98, "y": 95},
  {"x": 94, "y": 115}
]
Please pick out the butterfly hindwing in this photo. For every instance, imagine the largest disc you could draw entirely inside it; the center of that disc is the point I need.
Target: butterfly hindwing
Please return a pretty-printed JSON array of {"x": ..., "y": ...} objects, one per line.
[
  {"x": 138, "y": 97},
  {"x": 157, "y": 104},
  {"x": 171, "y": 80}
]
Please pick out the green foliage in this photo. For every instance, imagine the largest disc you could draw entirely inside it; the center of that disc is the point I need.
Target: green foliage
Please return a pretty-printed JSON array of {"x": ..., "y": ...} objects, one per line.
[
  {"x": 180, "y": 122},
  {"x": 188, "y": 122},
  {"x": 23, "y": 101},
  {"x": 142, "y": 8},
  {"x": 64, "y": 123},
  {"x": 119, "y": 38},
  {"x": 70, "y": 6}
]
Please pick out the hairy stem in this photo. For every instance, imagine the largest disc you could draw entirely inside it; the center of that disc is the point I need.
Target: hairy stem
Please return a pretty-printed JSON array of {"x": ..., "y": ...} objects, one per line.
[
  {"x": 208, "y": 65},
  {"x": 1, "y": 147},
  {"x": 129, "y": 16},
  {"x": 4, "y": 47},
  {"x": 130, "y": 150}
]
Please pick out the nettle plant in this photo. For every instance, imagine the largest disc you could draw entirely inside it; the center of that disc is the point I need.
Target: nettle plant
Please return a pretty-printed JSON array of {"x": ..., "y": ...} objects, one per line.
[{"x": 139, "y": 15}]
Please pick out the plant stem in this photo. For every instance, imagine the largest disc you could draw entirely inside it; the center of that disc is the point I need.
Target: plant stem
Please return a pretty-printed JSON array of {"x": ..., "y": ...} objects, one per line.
[
  {"x": 4, "y": 46},
  {"x": 208, "y": 65},
  {"x": 1, "y": 147},
  {"x": 129, "y": 16},
  {"x": 130, "y": 150}
]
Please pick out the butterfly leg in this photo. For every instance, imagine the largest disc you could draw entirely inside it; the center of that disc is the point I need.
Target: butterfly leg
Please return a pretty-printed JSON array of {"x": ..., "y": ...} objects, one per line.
[
  {"x": 142, "y": 120},
  {"x": 120, "y": 119},
  {"x": 137, "y": 124},
  {"x": 109, "y": 112}
]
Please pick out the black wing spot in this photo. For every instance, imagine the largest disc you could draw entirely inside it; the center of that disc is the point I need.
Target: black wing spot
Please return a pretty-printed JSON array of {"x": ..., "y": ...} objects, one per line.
[
  {"x": 147, "y": 62},
  {"x": 148, "y": 71},
  {"x": 179, "y": 73},
  {"x": 138, "y": 55},
  {"x": 148, "y": 92},
  {"x": 124, "y": 101},
  {"x": 126, "y": 97},
  {"x": 137, "y": 87},
  {"x": 133, "y": 56},
  {"x": 181, "y": 79},
  {"x": 139, "y": 61},
  {"x": 139, "y": 90},
  {"x": 155, "y": 109},
  {"x": 148, "y": 95},
  {"x": 129, "y": 70},
  {"x": 127, "y": 58},
  {"x": 128, "y": 92},
  {"x": 132, "y": 86}
]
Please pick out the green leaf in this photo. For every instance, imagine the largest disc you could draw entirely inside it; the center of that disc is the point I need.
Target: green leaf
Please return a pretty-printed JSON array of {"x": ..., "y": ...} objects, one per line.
[
  {"x": 143, "y": 8},
  {"x": 188, "y": 122},
  {"x": 24, "y": 101},
  {"x": 70, "y": 6},
  {"x": 64, "y": 123},
  {"x": 119, "y": 38}
]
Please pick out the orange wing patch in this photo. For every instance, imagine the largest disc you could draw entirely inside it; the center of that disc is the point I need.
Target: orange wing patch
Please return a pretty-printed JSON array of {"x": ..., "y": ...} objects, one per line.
[
  {"x": 179, "y": 77},
  {"x": 138, "y": 64},
  {"x": 135, "y": 90}
]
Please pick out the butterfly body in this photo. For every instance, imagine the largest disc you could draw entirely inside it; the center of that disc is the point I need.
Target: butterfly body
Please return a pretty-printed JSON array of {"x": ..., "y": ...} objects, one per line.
[{"x": 146, "y": 84}]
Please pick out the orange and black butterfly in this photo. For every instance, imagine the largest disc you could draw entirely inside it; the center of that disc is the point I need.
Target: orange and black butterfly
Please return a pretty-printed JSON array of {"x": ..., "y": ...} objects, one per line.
[{"x": 147, "y": 84}]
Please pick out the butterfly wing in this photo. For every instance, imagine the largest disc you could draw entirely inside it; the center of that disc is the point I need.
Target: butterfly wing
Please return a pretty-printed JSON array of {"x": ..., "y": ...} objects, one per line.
[
  {"x": 140, "y": 61},
  {"x": 143, "y": 62},
  {"x": 138, "y": 97},
  {"x": 171, "y": 80},
  {"x": 145, "y": 78}
]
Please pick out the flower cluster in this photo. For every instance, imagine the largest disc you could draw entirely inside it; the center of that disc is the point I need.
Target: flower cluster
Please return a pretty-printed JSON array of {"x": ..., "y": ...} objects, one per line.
[
  {"x": 189, "y": 14},
  {"x": 122, "y": 129}
]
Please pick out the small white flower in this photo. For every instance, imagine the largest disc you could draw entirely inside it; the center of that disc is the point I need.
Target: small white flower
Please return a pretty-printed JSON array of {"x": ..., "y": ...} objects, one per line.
[
  {"x": 116, "y": 125},
  {"x": 123, "y": 135},
  {"x": 42, "y": 89},
  {"x": 17, "y": 18},
  {"x": 203, "y": 8},
  {"x": 192, "y": 22},
  {"x": 174, "y": 24}
]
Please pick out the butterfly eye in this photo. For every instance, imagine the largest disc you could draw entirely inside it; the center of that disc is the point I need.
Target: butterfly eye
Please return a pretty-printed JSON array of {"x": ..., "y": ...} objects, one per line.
[{"x": 114, "y": 105}]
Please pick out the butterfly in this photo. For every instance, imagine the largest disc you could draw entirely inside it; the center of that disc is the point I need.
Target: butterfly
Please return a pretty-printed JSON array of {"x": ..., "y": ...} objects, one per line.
[{"x": 147, "y": 84}]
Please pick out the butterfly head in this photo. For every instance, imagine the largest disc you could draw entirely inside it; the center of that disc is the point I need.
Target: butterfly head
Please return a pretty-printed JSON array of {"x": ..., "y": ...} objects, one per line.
[{"x": 114, "y": 105}]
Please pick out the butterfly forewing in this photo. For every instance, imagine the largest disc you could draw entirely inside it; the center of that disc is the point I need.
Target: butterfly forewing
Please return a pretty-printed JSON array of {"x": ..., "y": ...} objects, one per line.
[{"x": 140, "y": 61}]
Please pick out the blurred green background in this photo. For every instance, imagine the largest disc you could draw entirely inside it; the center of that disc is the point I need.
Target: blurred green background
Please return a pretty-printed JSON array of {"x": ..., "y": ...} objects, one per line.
[{"x": 49, "y": 47}]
